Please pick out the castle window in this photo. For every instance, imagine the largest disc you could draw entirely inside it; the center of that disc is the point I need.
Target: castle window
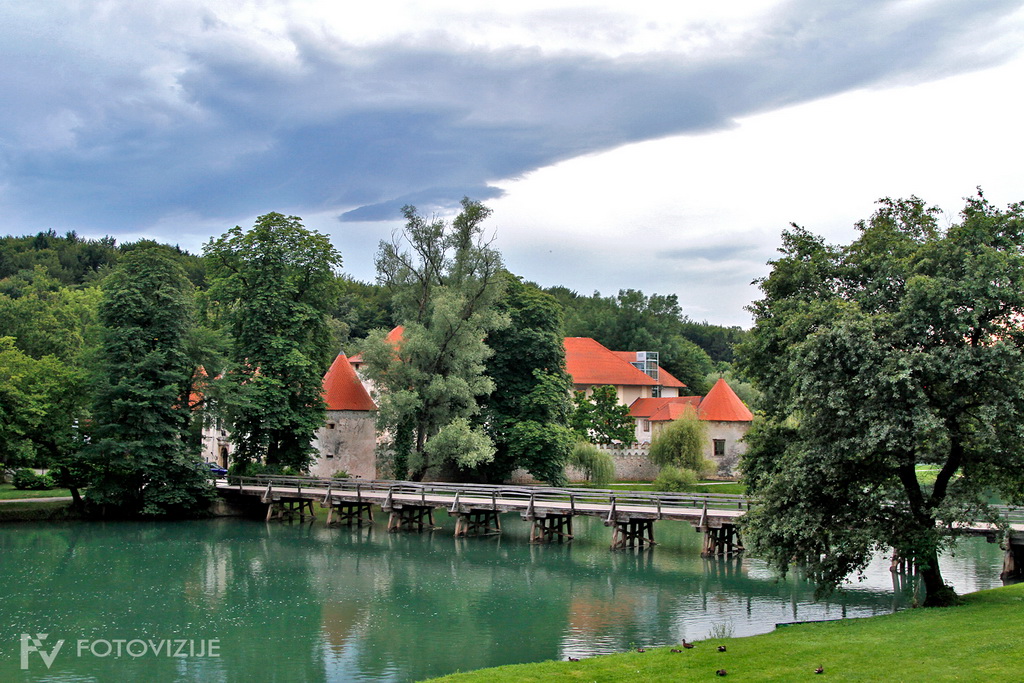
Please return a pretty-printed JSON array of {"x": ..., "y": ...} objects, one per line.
[{"x": 719, "y": 446}]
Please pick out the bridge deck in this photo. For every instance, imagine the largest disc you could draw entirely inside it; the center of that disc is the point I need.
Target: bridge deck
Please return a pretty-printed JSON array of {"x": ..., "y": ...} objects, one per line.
[
  {"x": 710, "y": 510},
  {"x": 707, "y": 511}
]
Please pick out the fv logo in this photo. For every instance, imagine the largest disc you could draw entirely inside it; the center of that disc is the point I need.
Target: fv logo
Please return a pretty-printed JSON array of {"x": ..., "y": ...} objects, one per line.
[{"x": 30, "y": 644}]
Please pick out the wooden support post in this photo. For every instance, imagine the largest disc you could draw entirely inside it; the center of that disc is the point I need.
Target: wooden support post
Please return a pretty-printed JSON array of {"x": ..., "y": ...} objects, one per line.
[
  {"x": 350, "y": 513},
  {"x": 550, "y": 527},
  {"x": 724, "y": 540},
  {"x": 476, "y": 523},
  {"x": 633, "y": 533},
  {"x": 407, "y": 516},
  {"x": 1013, "y": 562}
]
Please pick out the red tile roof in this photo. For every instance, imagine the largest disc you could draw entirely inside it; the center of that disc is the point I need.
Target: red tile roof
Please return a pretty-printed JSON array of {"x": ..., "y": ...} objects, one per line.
[
  {"x": 720, "y": 405},
  {"x": 343, "y": 390},
  {"x": 723, "y": 405},
  {"x": 588, "y": 362},
  {"x": 662, "y": 408}
]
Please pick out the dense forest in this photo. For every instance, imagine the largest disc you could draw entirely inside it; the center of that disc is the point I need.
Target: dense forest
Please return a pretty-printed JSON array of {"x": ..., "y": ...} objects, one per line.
[{"x": 629, "y": 320}]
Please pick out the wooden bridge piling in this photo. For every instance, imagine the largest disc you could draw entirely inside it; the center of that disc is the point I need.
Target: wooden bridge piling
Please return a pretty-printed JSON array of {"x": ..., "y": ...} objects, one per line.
[
  {"x": 1013, "y": 562},
  {"x": 476, "y": 522},
  {"x": 349, "y": 513},
  {"x": 723, "y": 540},
  {"x": 550, "y": 527},
  {"x": 632, "y": 533},
  {"x": 287, "y": 508},
  {"x": 408, "y": 516}
]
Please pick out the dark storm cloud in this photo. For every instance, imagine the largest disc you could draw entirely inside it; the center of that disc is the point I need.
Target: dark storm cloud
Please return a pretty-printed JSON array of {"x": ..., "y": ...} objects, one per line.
[{"x": 114, "y": 120}]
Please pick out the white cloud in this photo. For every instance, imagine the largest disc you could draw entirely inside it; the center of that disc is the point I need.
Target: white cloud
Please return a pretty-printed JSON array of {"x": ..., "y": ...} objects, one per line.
[{"x": 821, "y": 164}]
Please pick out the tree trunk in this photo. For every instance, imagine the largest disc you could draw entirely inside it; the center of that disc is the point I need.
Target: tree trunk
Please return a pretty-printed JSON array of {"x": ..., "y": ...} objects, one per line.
[
  {"x": 936, "y": 592},
  {"x": 76, "y": 496}
]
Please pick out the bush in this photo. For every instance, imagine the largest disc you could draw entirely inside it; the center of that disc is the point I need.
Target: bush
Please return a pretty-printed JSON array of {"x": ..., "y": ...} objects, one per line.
[
  {"x": 682, "y": 444},
  {"x": 341, "y": 474},
  {"x": 674, "y": 479},
  {"x": 254, "y": 469},
  {"x": 27, "y": 480},
  {"x": 597, "y": 466}
]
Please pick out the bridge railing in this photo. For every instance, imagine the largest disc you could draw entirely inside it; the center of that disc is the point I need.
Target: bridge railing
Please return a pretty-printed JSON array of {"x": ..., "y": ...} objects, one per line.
[
  {"x": 1011, "y": 514},
  {"x": 537, "y": 495}
]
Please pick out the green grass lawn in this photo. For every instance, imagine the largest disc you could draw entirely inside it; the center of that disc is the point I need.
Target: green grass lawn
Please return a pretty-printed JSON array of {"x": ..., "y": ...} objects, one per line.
[
  {"x": 8, "y": 492},
  {"x": 982, "y": 640}
]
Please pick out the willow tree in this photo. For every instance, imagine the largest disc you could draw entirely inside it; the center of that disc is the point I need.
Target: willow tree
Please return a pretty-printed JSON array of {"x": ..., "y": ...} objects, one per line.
[
  {"x": 682, "y": 444},
  {"x": 900, "y": 350},
  {"x": 445, "y": 278},
  {"x": 274, "y": 285}
]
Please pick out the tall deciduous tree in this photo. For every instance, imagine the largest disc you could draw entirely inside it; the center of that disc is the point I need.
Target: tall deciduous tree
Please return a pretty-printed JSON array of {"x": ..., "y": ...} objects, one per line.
[
  {"x": 445, "y": 278},
  {"x": 275, "y": 284},
  {"x": 138, "y": 452},
  {"x": 899, "y": 350},
  {"x": 527, "y": 415}
]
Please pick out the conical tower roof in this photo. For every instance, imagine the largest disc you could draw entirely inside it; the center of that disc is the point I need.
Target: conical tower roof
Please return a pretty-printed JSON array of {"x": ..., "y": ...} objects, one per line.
[
  {"x": 342, "y": 388},
  {"x": 723, "y": 405}
]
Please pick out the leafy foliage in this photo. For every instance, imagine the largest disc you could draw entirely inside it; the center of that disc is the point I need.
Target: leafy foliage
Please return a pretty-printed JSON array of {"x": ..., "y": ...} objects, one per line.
[
  {"x": 445, "y": 279},
  {"x": 675, "y": 479},
  {"x": 27, "y": 480},
  {"x": 601, "y": 419},
  {"x": 48, "y": 319},
  {"x": 362, "y": 307},
  {"x": 40, "y": 400},
  {"x": 597, "y": 465},
  {"x": 903, "y": 348},
  {"x": 138, "y": 453},
  {"x": 274, "y": 285},
  {"x": 527, "y": 415},
  {"x": 683, "y": 444}
]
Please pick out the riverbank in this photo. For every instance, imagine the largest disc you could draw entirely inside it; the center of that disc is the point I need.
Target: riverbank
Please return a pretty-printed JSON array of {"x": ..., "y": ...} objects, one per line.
[
  {"x": 977, "y": 641},
  {"x": 37, "y": 510}
]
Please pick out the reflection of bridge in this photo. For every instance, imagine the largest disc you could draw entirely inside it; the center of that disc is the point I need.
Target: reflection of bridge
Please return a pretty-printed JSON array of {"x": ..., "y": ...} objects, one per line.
[{"x": 550, "y": 511}]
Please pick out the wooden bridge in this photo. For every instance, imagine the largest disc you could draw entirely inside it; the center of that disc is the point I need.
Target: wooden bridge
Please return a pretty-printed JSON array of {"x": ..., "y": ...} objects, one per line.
[
  {"x": 550, "y": 511},
  {"x": 477, "y": 507}
]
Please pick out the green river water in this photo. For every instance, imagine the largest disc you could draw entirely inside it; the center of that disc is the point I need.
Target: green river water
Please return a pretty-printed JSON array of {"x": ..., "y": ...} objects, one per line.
[{"x": 249, "y": 601}]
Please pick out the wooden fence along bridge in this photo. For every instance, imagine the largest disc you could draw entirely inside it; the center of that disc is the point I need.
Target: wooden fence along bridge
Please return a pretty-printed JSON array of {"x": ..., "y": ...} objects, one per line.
[
  {"x": 550, "y": 511},
  {"x": 477, "y": 507}
]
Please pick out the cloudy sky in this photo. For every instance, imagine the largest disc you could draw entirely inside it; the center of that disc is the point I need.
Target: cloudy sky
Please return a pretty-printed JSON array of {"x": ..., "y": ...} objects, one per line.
[{"x": 655, "y": 145}]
